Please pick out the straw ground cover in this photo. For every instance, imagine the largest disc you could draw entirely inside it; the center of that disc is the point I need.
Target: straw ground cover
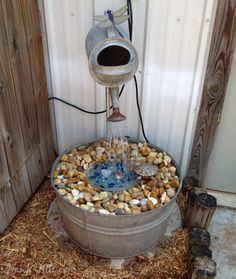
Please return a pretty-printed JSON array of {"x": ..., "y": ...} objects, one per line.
[{"x": 29, "y": 249}]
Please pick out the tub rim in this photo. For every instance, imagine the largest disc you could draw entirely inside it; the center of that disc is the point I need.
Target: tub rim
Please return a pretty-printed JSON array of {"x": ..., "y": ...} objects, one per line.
[{"x": 130, "y": 140}]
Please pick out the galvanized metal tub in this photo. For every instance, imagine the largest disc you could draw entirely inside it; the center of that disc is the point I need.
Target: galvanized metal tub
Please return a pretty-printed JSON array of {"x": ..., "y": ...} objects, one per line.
[{"x": 120, "y": 236}]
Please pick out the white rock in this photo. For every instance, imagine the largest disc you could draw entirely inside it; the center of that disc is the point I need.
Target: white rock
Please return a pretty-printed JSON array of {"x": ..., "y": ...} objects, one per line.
[
  {"x": 134, "y": 153},
  {"x": 154, "y": 201},
  {"x": 140, "y": 145},
  {"x": 75, "y": 194},
  {"x": 170, "y": 192},
  {"x": 90, "y": 204},
  {"x": 172, "y": 170},
  {"x": 157, "y": 161},
  {"x": 85, "y": 166},
  {"x": 103, "y": 195},
  {"x": 167, "y": 158},
  {"x": 163, "y": 197},
  {"x": 134, "y": 202},
  {"x": 103, "y": 211},
  {"x": 81, "y": 195}
]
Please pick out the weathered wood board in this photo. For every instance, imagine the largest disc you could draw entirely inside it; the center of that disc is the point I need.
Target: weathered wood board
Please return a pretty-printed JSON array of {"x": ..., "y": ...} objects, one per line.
[
  {"x": 21, "y": 71},
  {"x": 10, "y": 124},
  {"x": 216, "y": 79},
  {"x": 26, "y": 151}
]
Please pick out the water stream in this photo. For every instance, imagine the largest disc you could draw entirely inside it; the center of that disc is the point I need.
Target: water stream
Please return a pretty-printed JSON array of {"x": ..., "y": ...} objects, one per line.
[{"x": 115, "y": 174}]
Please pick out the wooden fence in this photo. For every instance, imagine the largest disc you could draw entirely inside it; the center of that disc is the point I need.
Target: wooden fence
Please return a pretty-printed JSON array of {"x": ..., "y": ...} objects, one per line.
[{"x": 26, "y": 152}]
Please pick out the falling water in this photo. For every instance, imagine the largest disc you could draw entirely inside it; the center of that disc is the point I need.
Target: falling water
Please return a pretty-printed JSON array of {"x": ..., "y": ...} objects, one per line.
[{"x": 115, "y": 173}]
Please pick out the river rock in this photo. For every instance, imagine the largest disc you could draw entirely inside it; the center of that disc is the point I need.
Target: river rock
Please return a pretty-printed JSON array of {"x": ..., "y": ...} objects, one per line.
[
  {"x": 112, "y": 207},
  {"x": 62, "y": 192},
  {"x": 134, "y": 153},
  {"x": 121, "y": 197},
  {"x": 154, "y": 200},
  {"x": 144, "y": 208},
  {"x": 150, "y": 205},
  {"x": 88, "y": 197},
  {"x": 103, "y": 211},
  {"x": 99, "y": 151},
  {"x": 115, "y": 196},
  {"x": 90, "y": 204},
  {"x": 84, "y": 207},
  {"x": 107, "y": 198},
  {"x": 151, "y": 157},
  {"x": 119, "y": 211},
  {"x": 127, "y": 198},
  {"x": 134, "y": 202},
  {"x": 97, "y": 197},
  {"x": 64, "y": 158},
  {"x": 136, "y": 210},
  {"x": 127, "y": 211},
  {"x": 154, "y": 193},
  {"x": 170, "y": 192},
  {"x": 157, "y": 161},
  {"x": 97, "y": 204},
  {"x": 174, "y": 182},
  {"x": 146, "y": 193},
  {"x": 120, "y": 205},
  {"x": 87, "y": 158},
  {"x": 75, "y": 194},
  {"x": 81, "y": 195},
  {"x": 143, "y": 201},
  {"x": 172, "y": 170},
  {"x": 163, "y": 197},
  {"x": 134, "y": 146},
  {"x": 105, "y": 205}
]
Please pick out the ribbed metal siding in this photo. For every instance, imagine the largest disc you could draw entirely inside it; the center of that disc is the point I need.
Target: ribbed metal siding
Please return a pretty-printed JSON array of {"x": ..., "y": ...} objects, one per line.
[{"x": 172, "y": 38}]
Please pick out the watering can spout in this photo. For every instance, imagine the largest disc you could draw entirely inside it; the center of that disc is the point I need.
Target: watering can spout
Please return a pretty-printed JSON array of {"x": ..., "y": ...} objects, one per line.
[{"x": 116, "y": 115}]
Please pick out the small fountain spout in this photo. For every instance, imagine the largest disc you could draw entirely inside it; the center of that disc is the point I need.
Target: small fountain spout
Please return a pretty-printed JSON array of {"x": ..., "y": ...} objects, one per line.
[{"x": 116, "y": 115}]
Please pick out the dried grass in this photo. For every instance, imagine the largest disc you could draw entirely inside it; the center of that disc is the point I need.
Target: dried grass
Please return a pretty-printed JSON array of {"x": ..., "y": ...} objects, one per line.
[{"x": 28, "y": 249}]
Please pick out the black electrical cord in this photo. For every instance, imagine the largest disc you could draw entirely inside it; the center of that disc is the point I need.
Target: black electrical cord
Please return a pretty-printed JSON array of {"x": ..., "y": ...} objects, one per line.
[
  {"x": 79, "y": 108},
  {"x": 130, "y": 25}
]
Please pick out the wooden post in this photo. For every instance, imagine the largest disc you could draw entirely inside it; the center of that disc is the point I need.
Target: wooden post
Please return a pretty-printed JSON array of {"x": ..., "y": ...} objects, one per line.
[
  {"x": 214, "y": 88},
  {"x": 191, "y": 200},
  {"x": 203, "y": 268},
  {"x": 198, "y": 245},
  {"x": 199, "y": 236},
  {"x": 189, "y": 183},
  {"x": 200, "y": 209}
]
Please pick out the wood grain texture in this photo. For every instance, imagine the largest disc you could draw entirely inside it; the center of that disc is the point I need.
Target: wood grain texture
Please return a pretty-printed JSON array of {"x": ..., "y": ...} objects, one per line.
[
  {"x": 35, "y": 169},
  {"x": 3, "y": 217},
  {"x": 26, "y": 151},
  {"x": 216, "y": 79},
  {"x": 8, "y": 201},
  {"x": 21, "y": 187},
  {"x": 21, "y": 73},
  {"x": 10, "y": 125},
  {"x": 31, "y": 17},
  {"x": 4, "y": 174}
]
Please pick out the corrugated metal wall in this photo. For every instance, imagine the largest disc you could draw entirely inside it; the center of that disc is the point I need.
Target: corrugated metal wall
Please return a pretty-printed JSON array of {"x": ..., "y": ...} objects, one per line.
[{"x": 172, "y": 38}]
